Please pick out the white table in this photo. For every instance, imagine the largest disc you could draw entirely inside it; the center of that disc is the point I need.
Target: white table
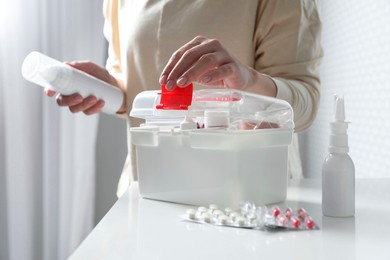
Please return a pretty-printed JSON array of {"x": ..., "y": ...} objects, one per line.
[{"x": 137, "y": 228}]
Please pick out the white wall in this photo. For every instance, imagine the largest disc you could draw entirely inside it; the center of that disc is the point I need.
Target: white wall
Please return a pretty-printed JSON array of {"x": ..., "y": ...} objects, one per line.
[{"x": 356, "y": 42}]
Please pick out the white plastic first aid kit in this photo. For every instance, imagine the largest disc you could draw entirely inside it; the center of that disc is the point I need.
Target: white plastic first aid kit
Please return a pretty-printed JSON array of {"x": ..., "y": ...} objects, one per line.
[{"x": 212, "y": 146}]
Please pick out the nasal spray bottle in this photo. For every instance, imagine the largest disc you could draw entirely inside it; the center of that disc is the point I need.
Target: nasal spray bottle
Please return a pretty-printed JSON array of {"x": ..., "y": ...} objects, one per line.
[
  {"x": 338, "y": 170},
  {"x": 50, "y": 73}
]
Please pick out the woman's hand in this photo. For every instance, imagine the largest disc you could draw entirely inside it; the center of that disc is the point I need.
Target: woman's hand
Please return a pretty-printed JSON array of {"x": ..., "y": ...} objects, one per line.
[
  {"x": 207, "y": 62},
  {"x": 89, "y": 105}
]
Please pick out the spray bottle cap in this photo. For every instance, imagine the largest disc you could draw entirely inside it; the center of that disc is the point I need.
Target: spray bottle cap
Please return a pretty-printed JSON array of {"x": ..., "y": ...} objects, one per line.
[{"x": 338, "y": 142}]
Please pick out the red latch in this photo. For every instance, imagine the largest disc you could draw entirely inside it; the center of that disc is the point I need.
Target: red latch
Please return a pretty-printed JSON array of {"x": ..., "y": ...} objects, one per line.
[{"x": 176, "y": 99}]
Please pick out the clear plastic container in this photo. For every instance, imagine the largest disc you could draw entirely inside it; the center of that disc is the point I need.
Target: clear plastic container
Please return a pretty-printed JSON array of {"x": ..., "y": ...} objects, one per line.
[
  {"x": 243, "y": 159},
  {"x": 53, "y": 74}
]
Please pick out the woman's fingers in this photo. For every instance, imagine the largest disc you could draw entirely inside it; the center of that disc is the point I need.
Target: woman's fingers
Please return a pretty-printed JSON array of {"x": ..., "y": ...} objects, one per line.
[
  {"x": 86, "y": 66},
  {"x": 176, "y": 56},
  {"x": 95, "y": 108},
  {"x": 94, "y": 70},
  {"x": 75, "y": 102},
  {"x": 195, "y": 73},
  {"x": 196, "y": 57},
  {"x": 87, "y": 103},
  {"x": 71, "y": 100},
  {"x": 226, "y": 76},
  {"x": 202, "y": 60}
]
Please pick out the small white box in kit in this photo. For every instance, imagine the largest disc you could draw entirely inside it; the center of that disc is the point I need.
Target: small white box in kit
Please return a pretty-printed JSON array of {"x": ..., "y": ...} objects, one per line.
[{"x": 243, "y": 159}]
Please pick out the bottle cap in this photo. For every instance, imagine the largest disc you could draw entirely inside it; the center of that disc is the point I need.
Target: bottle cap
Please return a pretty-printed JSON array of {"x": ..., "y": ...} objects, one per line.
[
  {"x": 216, "y": 118},
  {"x": 46, "y": 72}
]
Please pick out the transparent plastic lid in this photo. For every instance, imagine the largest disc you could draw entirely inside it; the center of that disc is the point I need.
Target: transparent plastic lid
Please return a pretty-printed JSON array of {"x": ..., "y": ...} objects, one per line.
[{"x": 256, "y": 111}]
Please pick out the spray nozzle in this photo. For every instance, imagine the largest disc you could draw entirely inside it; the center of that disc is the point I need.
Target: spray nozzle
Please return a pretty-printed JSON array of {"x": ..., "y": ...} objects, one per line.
[
  {"x": 339, "y": 115},
  {"x": 339, "y": 138}
]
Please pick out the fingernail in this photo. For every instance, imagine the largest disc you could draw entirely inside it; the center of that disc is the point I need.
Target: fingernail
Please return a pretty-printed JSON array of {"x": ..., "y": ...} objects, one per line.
[
  {"x": 101, "y": 103},
  {"x": 170, "y": 85},
  {"x": 206, "y": 79},
  {"x": 92, "y": 100},
  {"x": 163, "y": 79},
  {"x": 78, "y": 99},
  {"x": 181, "y": 81}
]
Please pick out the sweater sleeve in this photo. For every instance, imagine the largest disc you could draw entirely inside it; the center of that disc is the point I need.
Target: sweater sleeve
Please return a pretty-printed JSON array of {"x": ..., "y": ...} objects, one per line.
[
  {"x": 111, "y": 33},
  {"x": 287, "y": 48}
]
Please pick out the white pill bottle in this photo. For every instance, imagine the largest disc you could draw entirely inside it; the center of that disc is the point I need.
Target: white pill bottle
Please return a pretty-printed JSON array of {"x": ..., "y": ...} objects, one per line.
[
  {"x": 62, "y": 78},
  {"x": 338, "y": 170}
]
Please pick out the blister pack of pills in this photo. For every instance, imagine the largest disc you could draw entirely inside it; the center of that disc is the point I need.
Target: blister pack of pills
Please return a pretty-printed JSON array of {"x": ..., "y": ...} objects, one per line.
[{"x": 252, "y": 217}]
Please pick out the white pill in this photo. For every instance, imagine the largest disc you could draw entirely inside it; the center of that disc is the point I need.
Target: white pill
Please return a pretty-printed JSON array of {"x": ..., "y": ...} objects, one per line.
[
  {"x": 228, "y": 211},
  {"x": 191, "y": 213},
  {"x": 207, "y": 217},
  {"x": 198, "y": 215},
  {"x": 250, "y": 218},
  {"x": 218, "y": 212},
  {"x": 223, "y": 219},
  {"x": 234, "y": 215},
  {"x": 202, "y": 210},
  {"x": 240, "y": 221}
]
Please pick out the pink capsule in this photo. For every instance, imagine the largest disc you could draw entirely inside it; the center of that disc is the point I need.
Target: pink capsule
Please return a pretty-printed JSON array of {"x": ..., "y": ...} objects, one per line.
[
  {"x": 289, "y": 213},
  {"x": 302, "y": 213},
  {"x": 309, "y": 223},
  {"x": 275, "y": 211},
  {"x": 282, "y": 220},
  {"x": 295, "y": 223}
]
